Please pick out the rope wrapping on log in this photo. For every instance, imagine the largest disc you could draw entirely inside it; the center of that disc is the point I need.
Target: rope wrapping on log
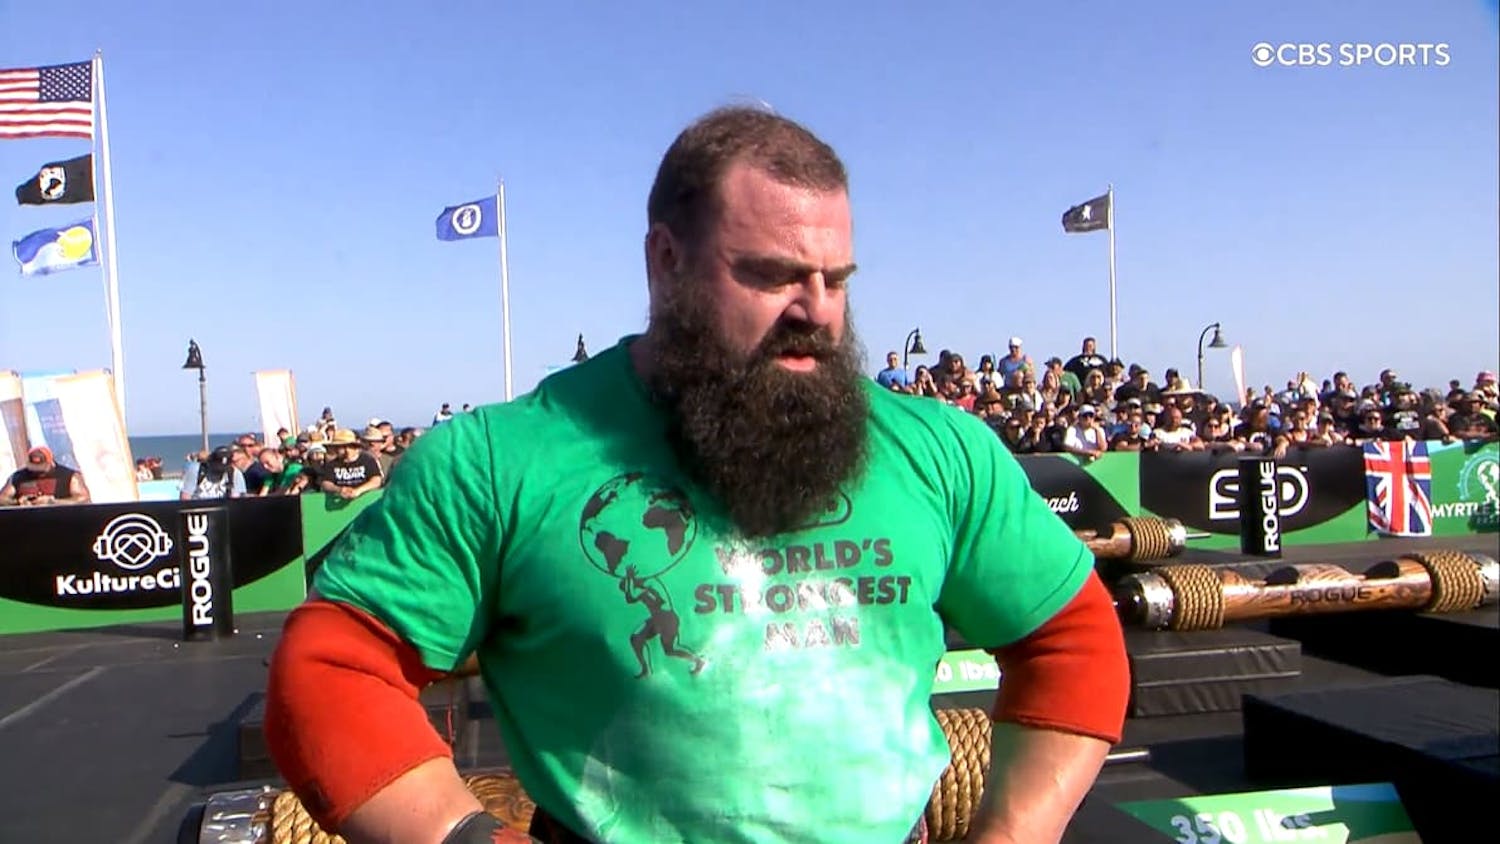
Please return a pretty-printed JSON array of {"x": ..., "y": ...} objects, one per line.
[
  {"x": 1149, "y": 539},
  {"x": 956, "y": 795},
  {"x": 1456, "y": 581},
  {"x": 499, "y": 792},
  {"x": 1197, "y": 597}
]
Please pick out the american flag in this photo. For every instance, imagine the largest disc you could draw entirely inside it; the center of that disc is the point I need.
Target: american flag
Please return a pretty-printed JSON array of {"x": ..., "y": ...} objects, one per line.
[
  {"x": 1398, "y": 482},
  {"x": 41, "y": 102}
]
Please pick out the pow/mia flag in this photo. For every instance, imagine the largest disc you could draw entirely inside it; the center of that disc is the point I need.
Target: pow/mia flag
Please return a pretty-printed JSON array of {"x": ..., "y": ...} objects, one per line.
[
  {"x": 1091, "y": 216},
  {"x": 59, "y": 183}
]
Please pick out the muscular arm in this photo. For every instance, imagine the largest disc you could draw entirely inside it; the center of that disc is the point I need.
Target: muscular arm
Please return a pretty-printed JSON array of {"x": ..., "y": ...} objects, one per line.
[
  {"x": 7, "y": 494},
  {"x": 1061, "y": 704},
  {"x": 347, "y": 731},
  {"x": 78, "y": 490}
]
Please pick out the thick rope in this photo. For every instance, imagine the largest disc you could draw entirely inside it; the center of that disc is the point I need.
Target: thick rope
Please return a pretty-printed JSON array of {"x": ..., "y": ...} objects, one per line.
[
  {"x": 1197, "y": 597},
  {"x": 500, "y": 794},
  {"x": 1149, "y": 539},
  {"x": 956, "y": 795},
  {"x": 1456, "y": 582}
]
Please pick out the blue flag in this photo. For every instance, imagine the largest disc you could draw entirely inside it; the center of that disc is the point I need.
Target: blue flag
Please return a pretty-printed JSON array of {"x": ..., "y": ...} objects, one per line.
[
  {"x": 54, "y": 250},
  {"x": 474, "y": 219}
]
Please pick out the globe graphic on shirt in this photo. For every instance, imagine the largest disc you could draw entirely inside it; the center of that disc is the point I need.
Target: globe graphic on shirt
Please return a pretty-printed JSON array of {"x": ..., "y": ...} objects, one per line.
[{"x": 636, "y": 521}]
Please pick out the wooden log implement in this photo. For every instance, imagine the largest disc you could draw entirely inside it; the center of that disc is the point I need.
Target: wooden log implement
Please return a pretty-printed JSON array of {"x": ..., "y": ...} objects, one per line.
[
  {"x": 1197, "y": 597},
  {"x": 1136, "y": 539}
]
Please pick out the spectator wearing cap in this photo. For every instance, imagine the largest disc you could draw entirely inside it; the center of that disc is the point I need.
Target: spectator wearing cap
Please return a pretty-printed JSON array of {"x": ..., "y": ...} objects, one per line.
[
  {"x": 214, "y": 476},
  {"x": 1485, "y": 386},
  {"x": 350, "y": 471},
  {"x": 1085, "y": 438},
  {"x": 1140, "y": 386},
  {"x": 373, "y": 440},
  {"x": 1471, "y": 422},
  {"x": 1014, "y": 361},
  {"x": 1067, "y": 381},
  {"x": 1089, "y": 358},
  {"x": 43, "y": 481}
]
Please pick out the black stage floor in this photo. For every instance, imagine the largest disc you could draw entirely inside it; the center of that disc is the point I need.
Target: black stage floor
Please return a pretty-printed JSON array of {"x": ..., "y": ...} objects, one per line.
[{"x": 113, "y": 734}]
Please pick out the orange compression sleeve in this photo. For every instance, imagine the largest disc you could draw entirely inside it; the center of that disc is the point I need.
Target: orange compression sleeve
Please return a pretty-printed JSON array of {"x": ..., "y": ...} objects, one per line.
[
  {"x": 1071, "y": 674},
  {"x": 342, "y": 715}
]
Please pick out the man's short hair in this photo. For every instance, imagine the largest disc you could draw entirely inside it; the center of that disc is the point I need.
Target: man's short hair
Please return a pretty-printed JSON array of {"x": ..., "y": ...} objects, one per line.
[{"x": 685, "y": 194}]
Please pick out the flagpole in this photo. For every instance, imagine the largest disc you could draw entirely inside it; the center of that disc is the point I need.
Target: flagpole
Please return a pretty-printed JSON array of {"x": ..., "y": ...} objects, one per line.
[
  {"x": 1110, "y": 205},
  {"x": 111, "y": 258},
  {"x": 504, "y": 286}
]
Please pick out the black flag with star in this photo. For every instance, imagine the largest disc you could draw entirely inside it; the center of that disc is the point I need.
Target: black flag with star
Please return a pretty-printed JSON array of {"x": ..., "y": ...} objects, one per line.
[
  {"x": 1091, "y": 216},
  {"x": 59, "y": 183}
]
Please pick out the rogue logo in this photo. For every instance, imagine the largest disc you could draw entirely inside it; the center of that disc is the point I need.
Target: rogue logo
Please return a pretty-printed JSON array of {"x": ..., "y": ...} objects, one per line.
[
  {"x": 132, "y": 541},
  {"x": 1292, "y": 491},
  {"x": 200, "y": 563},
  {"x": 1270, "y": 523}
]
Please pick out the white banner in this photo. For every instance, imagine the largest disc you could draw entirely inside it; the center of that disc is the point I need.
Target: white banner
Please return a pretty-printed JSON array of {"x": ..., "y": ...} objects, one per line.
[
  {"x": 277, "y": 390},
  {"x": 12, "y": 424},
  {"x": 100, "y": 447}
]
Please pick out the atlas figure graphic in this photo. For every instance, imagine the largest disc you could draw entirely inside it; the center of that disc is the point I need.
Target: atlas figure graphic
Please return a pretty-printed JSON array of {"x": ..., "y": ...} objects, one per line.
[{"x": 661, "y": 621}]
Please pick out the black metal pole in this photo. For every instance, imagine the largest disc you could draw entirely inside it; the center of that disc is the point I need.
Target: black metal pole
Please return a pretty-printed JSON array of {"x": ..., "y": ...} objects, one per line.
[{"x": 203, "y": 407}]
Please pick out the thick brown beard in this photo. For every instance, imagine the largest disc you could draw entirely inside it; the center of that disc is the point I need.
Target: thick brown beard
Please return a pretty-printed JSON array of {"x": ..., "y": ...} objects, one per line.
[{"x": 773, "y": 446}]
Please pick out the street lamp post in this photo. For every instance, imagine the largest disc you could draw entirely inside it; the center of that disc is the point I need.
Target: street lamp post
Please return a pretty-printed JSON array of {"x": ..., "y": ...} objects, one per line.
[
  {"x": 580, "y": 354},
  {"x": 1216, "y": 343},
  {"x": 195, "y": 361},
  {"x": 912, "y": 346}
]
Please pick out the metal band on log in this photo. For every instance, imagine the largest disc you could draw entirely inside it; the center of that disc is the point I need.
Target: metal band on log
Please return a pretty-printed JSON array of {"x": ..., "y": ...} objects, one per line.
[
  {"x": 1136, "y": 539},
  {"x": 1196, "y": 597}
]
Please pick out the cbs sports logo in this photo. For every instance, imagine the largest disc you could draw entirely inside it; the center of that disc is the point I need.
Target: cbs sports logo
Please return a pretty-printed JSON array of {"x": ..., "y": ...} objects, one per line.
[{"x": 1324, "y": 54}]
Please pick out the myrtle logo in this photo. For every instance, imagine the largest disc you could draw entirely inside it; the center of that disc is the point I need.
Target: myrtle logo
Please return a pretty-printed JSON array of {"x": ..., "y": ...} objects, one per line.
[
  {"x": 636, "y": 528},
  {"x": 132, "y": 541},
  {"x": 1479, "y": 480}
]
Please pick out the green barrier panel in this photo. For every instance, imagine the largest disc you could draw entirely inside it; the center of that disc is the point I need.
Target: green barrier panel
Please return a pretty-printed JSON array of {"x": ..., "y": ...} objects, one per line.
[
  {"x": 1465, "y": 487},
  {"x": 1335, "y": 814}
]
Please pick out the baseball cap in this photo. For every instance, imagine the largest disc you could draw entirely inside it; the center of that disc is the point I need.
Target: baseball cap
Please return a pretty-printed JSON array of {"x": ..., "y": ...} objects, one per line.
[
  {"x": 1086, "y": 410},
  {"x": 39, "y": 456},
  {"x": 1015, "y": 341}
]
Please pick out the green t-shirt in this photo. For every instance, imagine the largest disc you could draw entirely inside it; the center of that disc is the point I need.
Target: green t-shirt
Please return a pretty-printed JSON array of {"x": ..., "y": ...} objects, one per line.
[{"x": 786, "y": 686}]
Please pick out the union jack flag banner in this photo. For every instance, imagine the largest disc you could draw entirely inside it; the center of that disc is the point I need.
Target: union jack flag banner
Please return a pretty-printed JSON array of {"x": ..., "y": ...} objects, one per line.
[{"x": 1398, "y": 484}]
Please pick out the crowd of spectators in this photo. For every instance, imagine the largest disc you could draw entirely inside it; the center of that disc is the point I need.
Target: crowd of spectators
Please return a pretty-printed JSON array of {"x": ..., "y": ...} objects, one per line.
[
  {"x": 1089, "y": 405},
  {"x": 324, "y": 458}
]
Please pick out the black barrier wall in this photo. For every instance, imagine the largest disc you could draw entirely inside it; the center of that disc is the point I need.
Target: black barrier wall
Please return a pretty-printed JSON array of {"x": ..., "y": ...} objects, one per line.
[
  {"x": 132, "y": 556},
  {"x": 1202, "y": 489}
]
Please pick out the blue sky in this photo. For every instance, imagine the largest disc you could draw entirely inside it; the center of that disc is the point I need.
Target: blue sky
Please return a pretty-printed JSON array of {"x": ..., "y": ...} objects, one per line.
[{"x": 278, "y": 167}]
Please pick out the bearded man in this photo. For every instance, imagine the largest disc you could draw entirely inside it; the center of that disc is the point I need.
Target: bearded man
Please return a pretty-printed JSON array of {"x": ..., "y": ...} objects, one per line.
[{"x": 708, "y": 597}]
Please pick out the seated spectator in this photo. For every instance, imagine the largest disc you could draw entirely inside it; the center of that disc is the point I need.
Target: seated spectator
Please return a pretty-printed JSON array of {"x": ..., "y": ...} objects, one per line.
[
  {"x": 352, "y": 471},
  {"x": 1471, "y": 422},
  {"x": 1133, "y": 437},
  {"x": 1140, "y": 386},
  {"x": 893, "y": 376},
  {"x": 1095, "y": 390},
  {"x": 1217, "y": 435},
  {"x": 1085, "y": 439},
  {"x": 1171, "y": 435},
  {"x": 213, "y": 476}
]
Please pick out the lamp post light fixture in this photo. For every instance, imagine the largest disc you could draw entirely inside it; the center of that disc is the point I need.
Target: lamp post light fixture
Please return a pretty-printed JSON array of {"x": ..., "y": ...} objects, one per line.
[
  {"x": 580, "y": 354},
  {"x": 195, "y": 361},
  {"x": 1216, "y": 343},
  {"x": 912, "y": 346}
]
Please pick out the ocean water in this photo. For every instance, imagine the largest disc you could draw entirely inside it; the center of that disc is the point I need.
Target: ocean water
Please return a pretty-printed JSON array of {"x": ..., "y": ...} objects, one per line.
[{"x": 173, "y": 449}]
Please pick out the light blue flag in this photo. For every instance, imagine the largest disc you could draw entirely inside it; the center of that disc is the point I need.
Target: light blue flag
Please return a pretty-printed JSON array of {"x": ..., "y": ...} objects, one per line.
[
  {"x": 472, "y": 219},
  {"x": 54, "y": 250}
]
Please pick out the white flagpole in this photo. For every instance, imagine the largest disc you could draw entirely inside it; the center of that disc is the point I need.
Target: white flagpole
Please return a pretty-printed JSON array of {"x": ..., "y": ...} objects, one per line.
[
  {"x": 111, "y": 257},
  {"x": 504, "y": 286},
  {"x": 1113, "y": 351}
]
